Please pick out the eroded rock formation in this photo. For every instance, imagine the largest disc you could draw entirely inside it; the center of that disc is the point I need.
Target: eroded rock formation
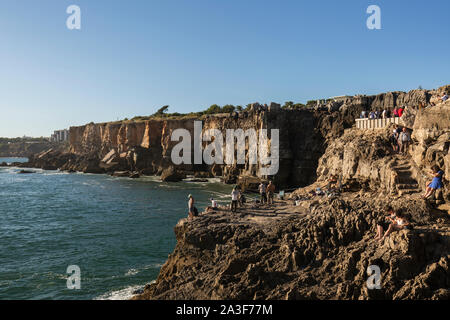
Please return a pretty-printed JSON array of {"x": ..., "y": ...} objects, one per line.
[
  {"x": 145, "y": 147},
  {"x": 322, "y": 248},
  {"x": 321, "y": 253}
]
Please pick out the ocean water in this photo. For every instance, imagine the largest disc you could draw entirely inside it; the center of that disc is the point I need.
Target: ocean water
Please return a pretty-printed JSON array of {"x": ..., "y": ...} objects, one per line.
[{"x": 118, "y": 231}]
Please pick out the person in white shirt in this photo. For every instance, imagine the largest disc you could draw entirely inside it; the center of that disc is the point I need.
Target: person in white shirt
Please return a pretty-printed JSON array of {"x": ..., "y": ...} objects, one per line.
[
  {"x": 404, "y": 140},
  {"x": 234, "y": 199},
  {"x": 444, "y": 97},
  {"x": 400, "y": 222},
  {"x": 262, "y": 192},
  {"x": 213, "y": 204}
]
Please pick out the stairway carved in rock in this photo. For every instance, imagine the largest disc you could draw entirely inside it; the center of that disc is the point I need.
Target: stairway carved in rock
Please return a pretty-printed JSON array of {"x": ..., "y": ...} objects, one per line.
[{"x": 404, "y": 181}]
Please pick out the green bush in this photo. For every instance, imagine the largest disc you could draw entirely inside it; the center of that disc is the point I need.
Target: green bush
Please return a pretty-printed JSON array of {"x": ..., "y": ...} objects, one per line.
[
  {"x": 213, "y": 109},
  {"x": 228, "y": 108}
]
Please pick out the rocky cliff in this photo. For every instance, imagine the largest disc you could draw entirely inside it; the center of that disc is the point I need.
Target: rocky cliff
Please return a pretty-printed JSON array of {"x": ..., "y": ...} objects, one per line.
[
  {"x": 366, "y": 157},
  {"x": 144, "y": 147},
  {"x": 321, "y": 251},
  {"x": 24, "y": 147},
  {"x": 319, "y": 246}
]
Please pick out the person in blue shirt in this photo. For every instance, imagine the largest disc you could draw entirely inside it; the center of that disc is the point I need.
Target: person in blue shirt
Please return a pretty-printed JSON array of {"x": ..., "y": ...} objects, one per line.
[{"x": 436, "y": 183}]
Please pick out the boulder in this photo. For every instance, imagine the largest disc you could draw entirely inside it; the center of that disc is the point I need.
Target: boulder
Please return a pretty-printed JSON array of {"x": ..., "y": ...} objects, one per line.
[
  {"x": 134, "y": 175},
  {"x": 203, "y": 174},
  {"x": 25, "y": 172},
  {"x": 172, "y": 175},
  {"x": 121, "y": 174}
]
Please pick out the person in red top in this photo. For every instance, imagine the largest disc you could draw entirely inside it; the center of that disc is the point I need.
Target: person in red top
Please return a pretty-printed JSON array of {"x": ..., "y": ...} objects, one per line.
[
  {"x": 395, "y": 112},
  {"x": 400, "y": 112}
]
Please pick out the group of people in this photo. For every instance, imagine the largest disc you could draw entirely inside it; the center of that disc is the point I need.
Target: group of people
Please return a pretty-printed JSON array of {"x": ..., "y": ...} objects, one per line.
[
  {"x": 393, "y": 221},
  {"x": 400, "y": 139},
  {"x": 266, "y": 193},
  {"x": 397, "y": 112},
  {"x": 237, "y": 199},
  {"x": 386, "y": 113}
]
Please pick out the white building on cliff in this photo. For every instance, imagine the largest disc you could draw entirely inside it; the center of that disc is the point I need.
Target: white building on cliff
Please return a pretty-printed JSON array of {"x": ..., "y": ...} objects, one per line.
[{"x": 60, "y": 136}]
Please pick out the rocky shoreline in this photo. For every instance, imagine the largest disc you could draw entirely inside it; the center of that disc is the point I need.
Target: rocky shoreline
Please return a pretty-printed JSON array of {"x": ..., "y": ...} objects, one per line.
[
  {"x": 320, "y": 250},
  {"x": 319, "y": 247}
]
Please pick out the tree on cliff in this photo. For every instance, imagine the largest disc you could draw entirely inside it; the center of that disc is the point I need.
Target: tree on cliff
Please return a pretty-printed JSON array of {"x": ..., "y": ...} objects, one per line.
[
  {"x": 228, "y": 108},
  {"x": 288, "y": 104},
  {"x": 213, "y": 109},
  {"x": 161, "y": 111}
]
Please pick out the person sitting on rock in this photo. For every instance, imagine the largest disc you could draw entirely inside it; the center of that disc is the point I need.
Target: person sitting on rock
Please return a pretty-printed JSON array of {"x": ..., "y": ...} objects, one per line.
[
  {"x": 400, "y": 223},
  {"x": 400, "y": 111},
  {"x": 436, "y": 183},
  {"x": 214, "y": 206},
  {"x": 193, "y": 212},
  {"x": 444, "y": 97},
  {"x": 385, "y": 222}
]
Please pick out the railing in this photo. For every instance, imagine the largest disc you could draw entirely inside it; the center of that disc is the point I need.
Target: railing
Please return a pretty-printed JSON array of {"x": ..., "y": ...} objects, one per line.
[{"x": 375, "y": 123}]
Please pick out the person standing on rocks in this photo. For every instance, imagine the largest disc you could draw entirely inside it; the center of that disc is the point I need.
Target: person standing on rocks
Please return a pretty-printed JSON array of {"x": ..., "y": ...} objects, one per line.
[
  {"x": 395, "y": 112},
  {"x": 234, "y": 199},
  {"x": 270, "y": 192},
  {"x": 363, "y": 114},
  {"x": 388, "y": 113},
  {"x": 404, "y": 140},
  {"x": 262, "y": 192},
  {"x": 193, "y": 212},
  {"x": 394, "y": 139}
]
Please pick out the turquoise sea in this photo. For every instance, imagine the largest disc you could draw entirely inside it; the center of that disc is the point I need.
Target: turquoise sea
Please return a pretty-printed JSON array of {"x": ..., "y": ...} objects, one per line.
[{"x": 118, "y": 231}]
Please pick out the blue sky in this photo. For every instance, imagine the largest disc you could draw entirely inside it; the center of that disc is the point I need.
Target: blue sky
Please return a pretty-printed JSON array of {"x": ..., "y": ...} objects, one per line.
[{"x": 131, "y": 57}]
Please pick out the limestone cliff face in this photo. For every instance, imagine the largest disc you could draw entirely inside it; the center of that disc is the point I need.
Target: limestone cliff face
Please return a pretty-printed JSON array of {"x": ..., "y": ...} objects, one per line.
[
  {"x": 148, "y": 143},
  {"x": 25, "y": 149},
  {"x": 145, "y": 146}
]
